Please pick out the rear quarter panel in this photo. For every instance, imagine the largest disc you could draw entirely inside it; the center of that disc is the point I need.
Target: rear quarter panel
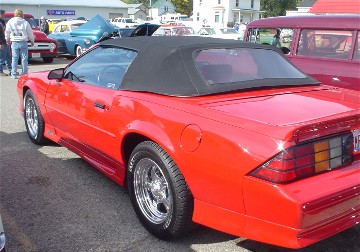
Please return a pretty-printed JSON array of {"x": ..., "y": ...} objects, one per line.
[{"x": 215, "y": 169}]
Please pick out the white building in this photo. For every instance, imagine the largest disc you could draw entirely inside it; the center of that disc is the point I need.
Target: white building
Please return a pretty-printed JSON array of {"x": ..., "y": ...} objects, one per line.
[
  {"x": 68, "y": 9},
  {"x": 222, "y": 13},
  {"x": 302, "y": 9},
  {"x": 161, "y": 7},
  {"x": 138, "y": 11}
]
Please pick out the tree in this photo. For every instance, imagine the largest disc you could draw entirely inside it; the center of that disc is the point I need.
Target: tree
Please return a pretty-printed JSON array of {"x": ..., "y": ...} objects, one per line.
[
  {"x": 145, "y": 2},
  {"x": 274, "y": 8},
  {"x": 183, "y": 6}
]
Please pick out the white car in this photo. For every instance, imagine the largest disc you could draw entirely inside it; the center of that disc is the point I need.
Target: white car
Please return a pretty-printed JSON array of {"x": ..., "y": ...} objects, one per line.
[
  {"x": 174, "y": 31},
  {"x": 224, "y": 33},
  {"x": 124, "y": 22},
  {"x": 67, "y": 26}
]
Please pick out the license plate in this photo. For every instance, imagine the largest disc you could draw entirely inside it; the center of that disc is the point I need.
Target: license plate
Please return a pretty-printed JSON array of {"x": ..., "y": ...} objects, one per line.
[
  {"x": 35, "y": 55},
  {"x": 356, "y": 135}
]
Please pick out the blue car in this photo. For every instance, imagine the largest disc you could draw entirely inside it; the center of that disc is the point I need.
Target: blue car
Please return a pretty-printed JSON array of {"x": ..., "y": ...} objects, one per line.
[{"x": 75, "y": 37}]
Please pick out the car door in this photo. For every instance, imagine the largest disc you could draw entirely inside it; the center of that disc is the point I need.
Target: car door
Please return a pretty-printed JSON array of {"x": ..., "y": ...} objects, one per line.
[
  {"x": 327, "y": 56},
  {"x": 81, "y": 104}
]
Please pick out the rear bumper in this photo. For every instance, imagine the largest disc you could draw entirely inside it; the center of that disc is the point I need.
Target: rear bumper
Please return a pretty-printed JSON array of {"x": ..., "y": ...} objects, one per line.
[
  {"x": 304, "y": 212},
  {"x": 295, "y": 215},
  {"x": 295, "y": 237},
  {"x": 330, "y": 226},
  {"x": 42, "y": 55}
]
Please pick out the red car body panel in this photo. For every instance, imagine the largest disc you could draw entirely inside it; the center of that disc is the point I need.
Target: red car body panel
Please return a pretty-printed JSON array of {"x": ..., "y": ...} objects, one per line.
[
  {"x": 330, "y": 71},
  {"x": 225, "y": 196}
]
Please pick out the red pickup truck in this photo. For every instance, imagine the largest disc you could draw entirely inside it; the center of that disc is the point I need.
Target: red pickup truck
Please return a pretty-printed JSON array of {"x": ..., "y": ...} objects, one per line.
[{"x": 44, "y": 47}]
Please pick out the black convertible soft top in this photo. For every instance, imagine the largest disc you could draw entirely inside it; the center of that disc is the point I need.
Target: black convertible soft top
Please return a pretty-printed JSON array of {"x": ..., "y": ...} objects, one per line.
[{"x": 165, "y": 65}]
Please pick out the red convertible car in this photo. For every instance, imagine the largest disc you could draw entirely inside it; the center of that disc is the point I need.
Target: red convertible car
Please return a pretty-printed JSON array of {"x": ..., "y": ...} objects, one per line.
[{"x": 226, "y": 134}]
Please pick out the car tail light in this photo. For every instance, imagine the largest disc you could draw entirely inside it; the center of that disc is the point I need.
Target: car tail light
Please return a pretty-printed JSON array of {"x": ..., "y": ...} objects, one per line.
[{"x": 308, "y": 159}]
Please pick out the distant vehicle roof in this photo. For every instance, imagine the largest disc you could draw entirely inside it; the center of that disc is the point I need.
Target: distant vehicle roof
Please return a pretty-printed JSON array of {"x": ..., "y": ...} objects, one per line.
[
  {"x": 311, "y": 21},
  {"x": 70, "y": 22},
  {"x": 166, "y": 65},
  {"x": 11, "y": 14}
]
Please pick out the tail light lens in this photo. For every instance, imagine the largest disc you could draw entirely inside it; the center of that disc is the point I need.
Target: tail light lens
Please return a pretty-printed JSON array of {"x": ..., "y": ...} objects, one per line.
[{"x": 308, "y": 159}]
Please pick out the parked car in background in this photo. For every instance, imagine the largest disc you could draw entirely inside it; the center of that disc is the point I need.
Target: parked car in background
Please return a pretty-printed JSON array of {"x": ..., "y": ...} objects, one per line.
[
  {"x": 75, "y": 36},
  {"x": 52, "y": 23},
  {"x": 124, "y": 22},
  {"x": 61, "y": 34},
  {"x": 125, "y": 32},
  {"x": 179, "y": 30},
  {"x": 145, "y": 29},
  {"x": 224, "y": 33},
  {"x": 44, "y": 47},
  {"x": 226, "y": 134},
  {"x": 324, "y": 46}
]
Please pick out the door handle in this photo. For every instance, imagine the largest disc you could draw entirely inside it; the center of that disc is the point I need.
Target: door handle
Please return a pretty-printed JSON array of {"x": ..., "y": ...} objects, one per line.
[{"x": 99, "y": 105}]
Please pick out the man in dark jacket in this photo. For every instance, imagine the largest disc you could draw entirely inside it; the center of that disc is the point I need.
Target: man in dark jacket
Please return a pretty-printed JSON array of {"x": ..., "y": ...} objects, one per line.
[
  {"x": 44, "y": 26},
  {"x": 4, "y": 48}
]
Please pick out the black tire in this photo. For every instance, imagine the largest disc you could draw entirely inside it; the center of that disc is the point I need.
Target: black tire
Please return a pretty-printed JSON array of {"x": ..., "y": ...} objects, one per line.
[
  {"x": 48, "y": 59},
  {"x": 34, "y": 121},
  {"x": 172, "y": 217}
]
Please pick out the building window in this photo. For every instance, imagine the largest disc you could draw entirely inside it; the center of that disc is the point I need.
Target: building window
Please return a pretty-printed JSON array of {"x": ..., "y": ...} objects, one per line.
[
  {"x": 198, "y": 16},
  {"x": 237, "y": 3},
  {"x": 219, "y": 1},
  {"x": 252, "y": 3},
  {"x": 217, "y": 18},
  {"x": 200, "y": 2}
]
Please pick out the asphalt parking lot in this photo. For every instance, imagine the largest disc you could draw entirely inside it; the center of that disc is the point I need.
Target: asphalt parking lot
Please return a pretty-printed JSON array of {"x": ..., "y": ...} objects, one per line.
[{"x": 51, "y": 200}]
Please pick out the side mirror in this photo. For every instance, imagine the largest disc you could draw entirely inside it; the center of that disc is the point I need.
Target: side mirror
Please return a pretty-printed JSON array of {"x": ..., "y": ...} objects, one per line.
[{"x": 56, "y": 74}]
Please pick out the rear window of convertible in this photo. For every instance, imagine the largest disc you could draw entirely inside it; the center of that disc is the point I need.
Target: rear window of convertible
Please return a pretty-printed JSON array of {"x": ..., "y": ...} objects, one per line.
[{"x": 221, "y": 66}]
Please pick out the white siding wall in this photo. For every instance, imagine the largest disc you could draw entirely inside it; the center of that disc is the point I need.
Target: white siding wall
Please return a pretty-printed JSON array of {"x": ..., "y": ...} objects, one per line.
[
  {"x": 206, "y": 10},
  {"x": 80, "y": 11}
]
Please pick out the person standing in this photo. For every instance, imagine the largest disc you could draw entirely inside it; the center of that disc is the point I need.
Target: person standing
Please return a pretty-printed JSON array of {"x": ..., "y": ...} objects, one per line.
[
  {"x": 236, "y": 26},
  {"x": 4, "y": 48},
  {"x": 276, "y": 41},
  {"x": 17, "y": 33},
  {"x": 44, "y": 26}
]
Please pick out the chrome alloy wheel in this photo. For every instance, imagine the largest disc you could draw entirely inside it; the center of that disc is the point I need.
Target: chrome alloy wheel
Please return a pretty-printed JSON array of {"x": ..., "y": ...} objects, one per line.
[
  {"x": 31, "y": 117},
  {"x": 152, "y": 191}
]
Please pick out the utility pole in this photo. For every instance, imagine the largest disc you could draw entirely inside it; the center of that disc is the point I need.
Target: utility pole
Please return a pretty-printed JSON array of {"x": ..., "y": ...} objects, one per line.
[{"x": 150, "y": 10}]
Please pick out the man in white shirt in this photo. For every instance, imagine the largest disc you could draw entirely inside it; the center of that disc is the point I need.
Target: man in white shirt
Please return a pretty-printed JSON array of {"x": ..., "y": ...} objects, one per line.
[{"x": 17, "y": 33}]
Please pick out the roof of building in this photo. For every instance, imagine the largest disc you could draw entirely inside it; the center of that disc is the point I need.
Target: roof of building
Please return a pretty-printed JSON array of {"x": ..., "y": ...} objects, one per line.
[
  {"x": 90, "y": 3},
  {"x": 132, "y": 11},
  {"x": 306, "y": 3},
  {"x": 336, "y": 6},
  {"x": 135, "y": 5},
  {"x": 159, "y": 3}
]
